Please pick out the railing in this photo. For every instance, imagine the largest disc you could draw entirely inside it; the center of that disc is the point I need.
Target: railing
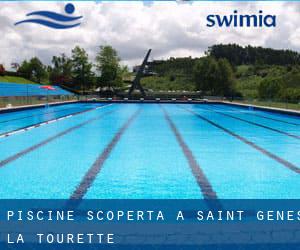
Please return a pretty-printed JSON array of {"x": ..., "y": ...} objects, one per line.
[{"x": 287, "y": 104}]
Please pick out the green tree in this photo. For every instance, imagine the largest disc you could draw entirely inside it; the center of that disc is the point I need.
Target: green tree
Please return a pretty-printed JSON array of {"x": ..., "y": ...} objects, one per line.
[
  {"x": 205, "y": 74},
  {"x": 270, "y": 88},
  {"x": 108, "y": 65},
  {"x": 213, "y": 76},
  {"x": 81, "y": 69},
  {"x": 33, "y": 70},
  {"x": 38, "y": 70},
  {"x": 238, "y": 55},
  {"x": 61, "y": 71},
  {"x": 224, "y": 83},
  {"x": 25, "y": 69},
  {"x": 290, "y": 94}
]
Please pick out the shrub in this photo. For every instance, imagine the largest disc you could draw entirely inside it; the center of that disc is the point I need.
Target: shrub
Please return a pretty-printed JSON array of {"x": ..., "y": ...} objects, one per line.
[
  {"x": 213, "y": 76},
  {"x": 172, "y": 78},
  {"x": 269, "y": 88},
  {"x": 290, "y": 95}
]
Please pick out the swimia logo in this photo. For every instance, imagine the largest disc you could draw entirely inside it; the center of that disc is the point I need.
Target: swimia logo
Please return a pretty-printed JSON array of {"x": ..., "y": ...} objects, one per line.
[
  {"x": 54, "y": 20},
  {"x": 239, "y": 20}
]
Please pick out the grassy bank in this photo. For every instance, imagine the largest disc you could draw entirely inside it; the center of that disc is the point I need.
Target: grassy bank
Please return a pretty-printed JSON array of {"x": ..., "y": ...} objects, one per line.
[
  {"x": 268, "y": 82},
  {"x": 15, "y": 79},
  {"x": 168, "y": 83}
]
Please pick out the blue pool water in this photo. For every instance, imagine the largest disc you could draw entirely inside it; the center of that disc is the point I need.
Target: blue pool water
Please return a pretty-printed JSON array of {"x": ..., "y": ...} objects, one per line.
[
  {"x": 17, "y": 120},
  {"x": 149, "y": 151}
]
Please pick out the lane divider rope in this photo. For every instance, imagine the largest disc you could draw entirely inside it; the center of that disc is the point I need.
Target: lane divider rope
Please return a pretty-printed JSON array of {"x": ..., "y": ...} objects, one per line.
[
  {"x": 96, "y": 167},
  {"x": 50, "y": 139},
  {"x": 197, "y": 171},
  {"x": 17, "y": 131}
]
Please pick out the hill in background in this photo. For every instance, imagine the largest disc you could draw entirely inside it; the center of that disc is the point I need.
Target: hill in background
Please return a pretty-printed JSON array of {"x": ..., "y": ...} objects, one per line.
[{"x": 262, "y": 73}]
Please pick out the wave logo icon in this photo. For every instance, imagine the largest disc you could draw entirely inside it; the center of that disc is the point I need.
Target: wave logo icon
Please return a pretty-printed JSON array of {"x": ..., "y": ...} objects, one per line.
[{"x": 54, "y": 20}]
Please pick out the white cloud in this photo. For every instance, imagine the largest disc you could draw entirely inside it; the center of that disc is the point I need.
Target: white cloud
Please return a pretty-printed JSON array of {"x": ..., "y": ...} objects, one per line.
[{"x": 169, "y": 28}]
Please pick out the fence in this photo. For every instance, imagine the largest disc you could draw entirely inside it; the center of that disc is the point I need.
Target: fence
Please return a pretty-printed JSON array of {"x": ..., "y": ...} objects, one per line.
[
  {"x": 14, "y": 94},
  {"x": 295, "y": 105},
  {"x": 12, "y": 97}
]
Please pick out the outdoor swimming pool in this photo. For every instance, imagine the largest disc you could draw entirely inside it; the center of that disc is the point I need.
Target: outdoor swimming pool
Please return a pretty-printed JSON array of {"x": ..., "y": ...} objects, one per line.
[{"x": 173, "y": 151}]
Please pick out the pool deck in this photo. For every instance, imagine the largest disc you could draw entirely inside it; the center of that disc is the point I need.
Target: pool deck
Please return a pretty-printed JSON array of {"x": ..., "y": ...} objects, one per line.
[
  {"x": 19, "y": 108},
  {"x": 263, "y": 108}
]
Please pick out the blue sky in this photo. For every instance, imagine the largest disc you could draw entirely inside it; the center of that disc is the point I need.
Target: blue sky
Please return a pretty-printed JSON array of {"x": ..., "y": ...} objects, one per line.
[{"x": 169, "y": 28}]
